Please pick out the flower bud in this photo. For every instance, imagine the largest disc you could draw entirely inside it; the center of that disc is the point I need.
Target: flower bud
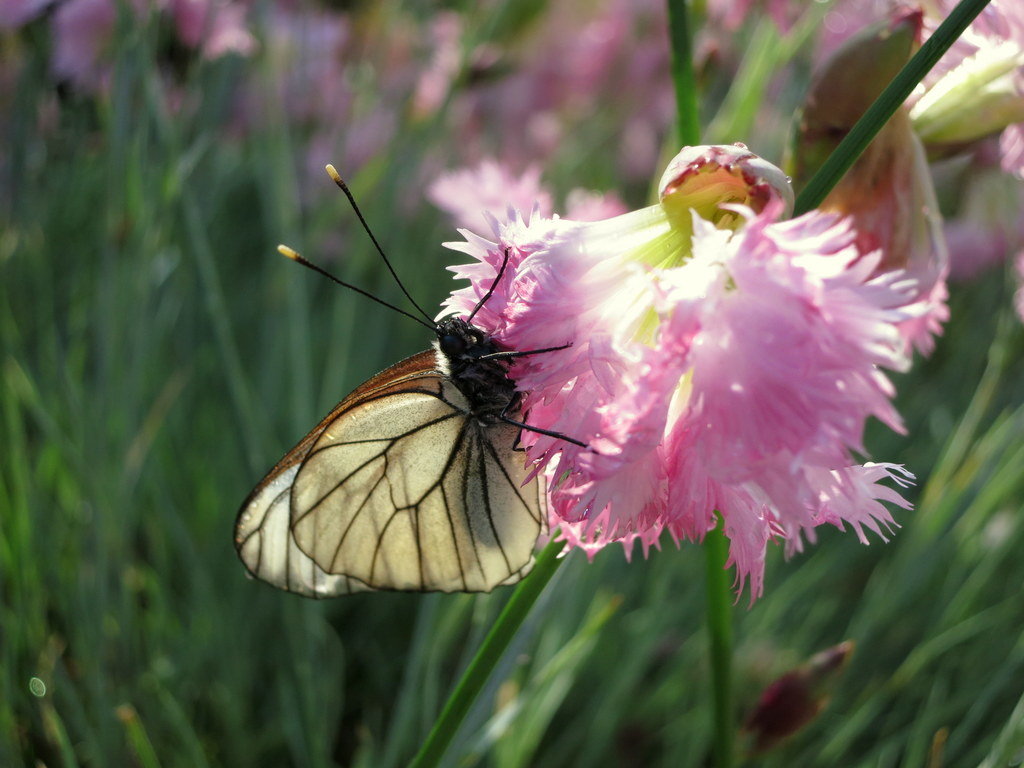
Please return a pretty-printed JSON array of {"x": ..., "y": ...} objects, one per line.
[
  {"x": 847, "y": 84},
  {"x": 979, "y": 97},
  {"x": 888, "y": 191},
  {"x": 796, "y": 698},
  {"x": 705, "y": 178}
]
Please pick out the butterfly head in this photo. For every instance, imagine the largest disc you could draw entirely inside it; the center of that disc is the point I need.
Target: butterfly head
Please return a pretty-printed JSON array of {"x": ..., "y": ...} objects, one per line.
[
  {"x": 464, "y": 355},
  {"x": 458, "y": 340}
]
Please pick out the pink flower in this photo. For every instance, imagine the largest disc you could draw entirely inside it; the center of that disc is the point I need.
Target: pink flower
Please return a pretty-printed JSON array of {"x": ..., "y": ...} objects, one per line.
[
  {"x": 585, "y": 205},
  {"x": 985, "y": 229},
  {"x": 971, "y": 104},
  {"x": 558, "y": 80},
  {"x": 14, "y": 13},
  {"x": 83, "y": 29},
  {"x": 1011, "y": 145},
  {"x": 473, "y": 196},
  {"x": 846, "y": 17},
  {"x": 732, "y": 13},
  {"x": 217, "y": 28},
  {"x": 345, "y": 101},
  {"x": 436, "y": 80},
  {"x": 721, "y": 360},
  {"x": 469, "y": 195}
]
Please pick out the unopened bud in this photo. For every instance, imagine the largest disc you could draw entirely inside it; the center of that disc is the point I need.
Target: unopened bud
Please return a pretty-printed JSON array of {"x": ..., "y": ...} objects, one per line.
[
  {"x": 979, "y": 97},
  {"x": 705, "y": 178},
  {"x": 847, "y": 84},
  {"x": 796, "y": 698}
]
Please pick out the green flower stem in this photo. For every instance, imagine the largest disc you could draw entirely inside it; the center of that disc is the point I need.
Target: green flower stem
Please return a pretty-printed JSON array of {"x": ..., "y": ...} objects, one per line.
[
  {"x": 857, "y": 140},
  {"x": 687, "y": 116},
  {"x": 494, "y": 645},
  {"x": 719, "y": 618},
  {"x": 716, "y": 548}
]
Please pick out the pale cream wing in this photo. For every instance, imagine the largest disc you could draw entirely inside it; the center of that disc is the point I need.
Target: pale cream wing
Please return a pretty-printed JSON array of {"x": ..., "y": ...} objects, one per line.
[
  {"x": 407, "y": 491},
  {"x": 269, "y": 551},
  {"x": 263, "y": 535}
]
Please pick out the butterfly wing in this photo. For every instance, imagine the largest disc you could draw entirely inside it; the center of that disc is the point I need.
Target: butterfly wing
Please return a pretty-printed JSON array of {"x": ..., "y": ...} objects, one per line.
[{"x": 397, "y": 488}]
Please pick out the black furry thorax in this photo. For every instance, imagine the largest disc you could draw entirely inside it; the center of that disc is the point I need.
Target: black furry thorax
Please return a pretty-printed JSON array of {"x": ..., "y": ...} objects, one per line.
[{"x": 484, "y": 382}]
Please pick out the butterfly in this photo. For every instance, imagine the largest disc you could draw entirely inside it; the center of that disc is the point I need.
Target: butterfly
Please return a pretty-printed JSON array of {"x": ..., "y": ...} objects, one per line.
[{"x": 414, "y": 481}]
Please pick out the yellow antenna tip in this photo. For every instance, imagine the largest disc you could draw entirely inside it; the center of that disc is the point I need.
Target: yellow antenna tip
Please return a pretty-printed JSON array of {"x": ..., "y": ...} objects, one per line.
[
  {"x": 284, "y": 250},
  {"x": 333, "y": 173}
]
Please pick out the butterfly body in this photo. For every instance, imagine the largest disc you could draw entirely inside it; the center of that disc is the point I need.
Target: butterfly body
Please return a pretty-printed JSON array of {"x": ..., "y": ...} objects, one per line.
[
  {"x": 465, "y": 351},
  {"x": 412, "y": 482}
]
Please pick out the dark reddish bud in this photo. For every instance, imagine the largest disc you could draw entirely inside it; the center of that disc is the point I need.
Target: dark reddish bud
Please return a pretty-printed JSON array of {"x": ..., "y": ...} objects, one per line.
[{"x": 796, "y": 698}]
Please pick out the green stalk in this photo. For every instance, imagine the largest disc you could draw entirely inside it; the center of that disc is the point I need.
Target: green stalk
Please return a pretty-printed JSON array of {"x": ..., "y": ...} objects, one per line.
[
  {"x": 494, "y": 645},
  {"x": 857, "y": 140},
  {"x": 687, "y": 116},
  {"x": 719, "y": 617},
  {"x": 716, "y": 548}
]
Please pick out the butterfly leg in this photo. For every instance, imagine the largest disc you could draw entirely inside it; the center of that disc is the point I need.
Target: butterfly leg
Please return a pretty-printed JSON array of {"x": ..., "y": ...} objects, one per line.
[
  {"x": 512, "y": 355},
  {"x": 514, "y": 403},
  {"x": 547, "y": 432}
]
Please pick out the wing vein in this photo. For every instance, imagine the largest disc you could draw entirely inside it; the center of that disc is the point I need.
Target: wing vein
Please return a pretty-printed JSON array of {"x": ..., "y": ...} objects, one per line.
[
  {"x": 511, "y": 482},
  {"x": 485, "y": 489},
  {"x": 456, "y": 447}
]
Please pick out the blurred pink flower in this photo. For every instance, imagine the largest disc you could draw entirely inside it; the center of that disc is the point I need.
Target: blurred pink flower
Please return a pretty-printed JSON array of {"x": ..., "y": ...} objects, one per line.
[
  {"x": 14, "y": 13},
  {"x": 344, "y": 99},
  {"x": 437, "y": 78},
  {"x": 82, "y": 32},
  {"x": 598, "y": 71},
  {"x": 587, "y": 205},
  {"x": 974, "y": 248},
  {"x": 1011, "y": 144},
  {"x": 215, "y": 27},
  {"x": 985, "y": 228},
  {"x": 844, "y": 18},
  {"x": 473, "y": 196},
  {"x": 720, "y": 360},
  {"x": 305, "y": 52},
  {"x": 732, "y": 13}
]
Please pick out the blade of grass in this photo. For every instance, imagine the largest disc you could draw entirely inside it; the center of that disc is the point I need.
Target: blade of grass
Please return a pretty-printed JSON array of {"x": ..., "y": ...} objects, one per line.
[
  {"x": 1009, "y": 745},
  {"x": 219, "y": 314},
  {"x": 958, "y": 446},
  {"x": 516, "y": 730},
  {"x": 764, "y": 57},
  {"x": 687, "y": 111},
  {"x": 718, "y": 612},
  {"x": 142, "y": 747},
  {"x": 494, "y": 645}
]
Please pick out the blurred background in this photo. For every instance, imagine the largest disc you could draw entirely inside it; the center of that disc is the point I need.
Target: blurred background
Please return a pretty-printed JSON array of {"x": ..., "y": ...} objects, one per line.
[{"x": 158, "y": 356}]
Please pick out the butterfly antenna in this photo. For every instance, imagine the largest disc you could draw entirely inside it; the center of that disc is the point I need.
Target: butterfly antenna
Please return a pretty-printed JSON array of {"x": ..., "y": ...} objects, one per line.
[
  {"x": 336, "y": 178},
  {"x": 497, "y": 279},
  {"x": 284, "y": 250}
]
